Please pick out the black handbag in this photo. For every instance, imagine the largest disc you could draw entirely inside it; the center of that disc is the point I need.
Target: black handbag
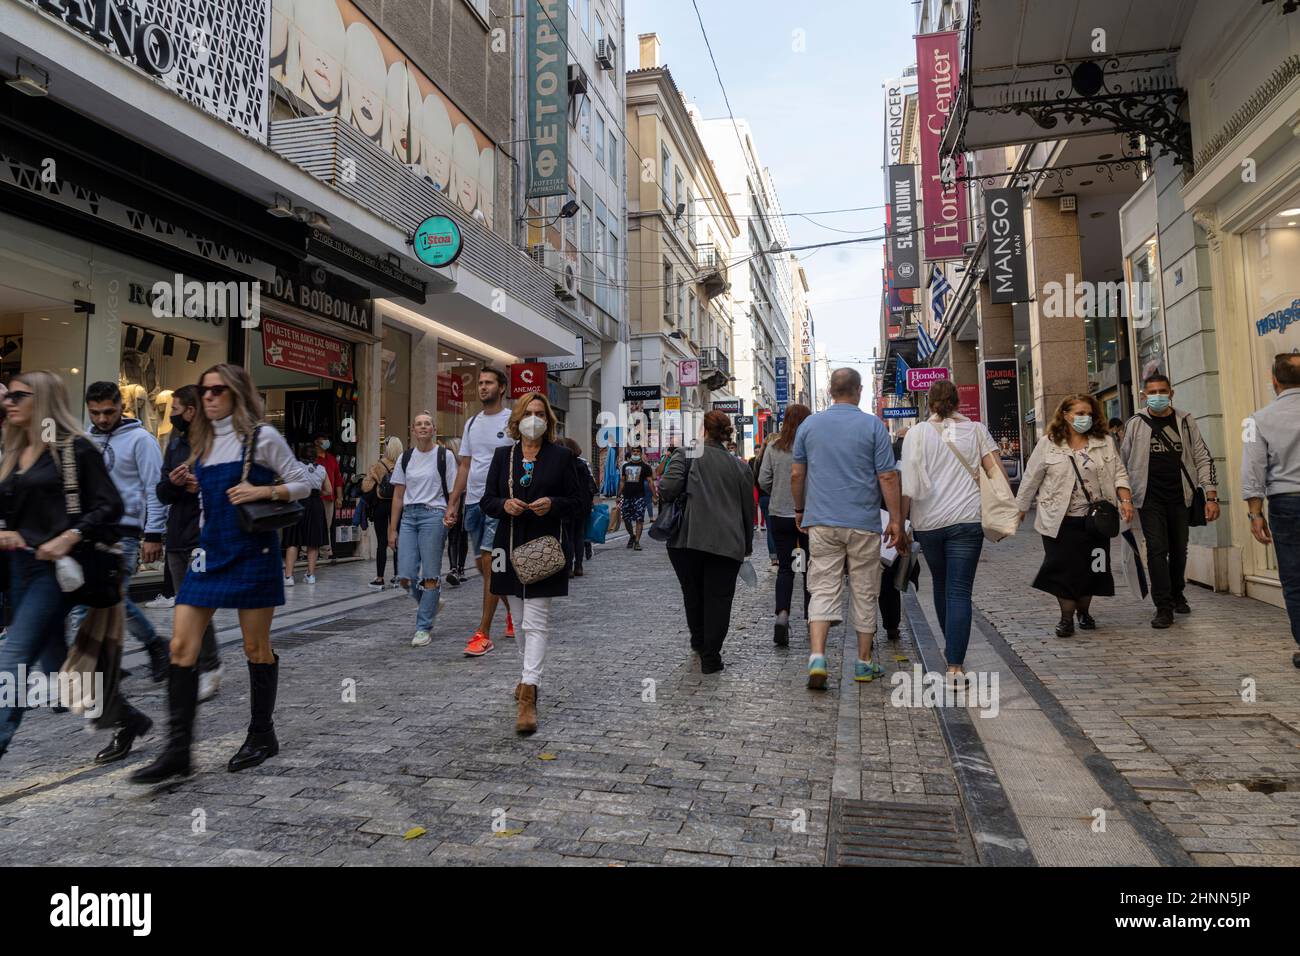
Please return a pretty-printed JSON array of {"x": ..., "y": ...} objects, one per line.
[
  {"x": 1196, "y": 510},
  {"x": 102, "y": 567},
  {"x": 669, "y": 521},
  {"x": 259, "y": 517},
  {"x": 1102, "y": 520}
]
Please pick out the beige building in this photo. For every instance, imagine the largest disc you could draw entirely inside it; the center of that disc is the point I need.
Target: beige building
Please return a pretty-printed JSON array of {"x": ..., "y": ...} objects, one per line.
[
  {"x": 802, "y": 341},
  {"x": 680, "y": 235}
]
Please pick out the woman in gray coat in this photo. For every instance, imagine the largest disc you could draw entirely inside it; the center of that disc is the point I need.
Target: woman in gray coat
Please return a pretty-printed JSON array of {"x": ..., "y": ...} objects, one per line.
[{"x": 715, "y": 536}]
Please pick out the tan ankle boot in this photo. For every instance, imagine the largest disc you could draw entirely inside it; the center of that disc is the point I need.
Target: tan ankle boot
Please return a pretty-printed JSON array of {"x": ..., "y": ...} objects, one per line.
[{"x": 527, "y": 722}]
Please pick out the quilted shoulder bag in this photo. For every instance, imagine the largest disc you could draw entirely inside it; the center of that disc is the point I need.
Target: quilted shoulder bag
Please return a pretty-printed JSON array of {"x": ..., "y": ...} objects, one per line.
[
  {"x": 259, "y": 517},
  {"x": 538, "y": 559},
  {"x": 1102, "y": 520}
]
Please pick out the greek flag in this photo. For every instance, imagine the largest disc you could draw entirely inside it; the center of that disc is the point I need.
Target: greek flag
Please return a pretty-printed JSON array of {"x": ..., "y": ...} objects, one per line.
[
  {"x": 939, "y": 290},
  {"x": 924, "y": 344}
]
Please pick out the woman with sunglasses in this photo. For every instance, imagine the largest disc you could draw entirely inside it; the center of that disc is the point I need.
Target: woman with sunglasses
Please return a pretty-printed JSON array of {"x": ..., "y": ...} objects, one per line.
[
  {"x": 232, "y": 568},
  {"x": 533, "y": 487},
  {"x": 38, "y": 530}
]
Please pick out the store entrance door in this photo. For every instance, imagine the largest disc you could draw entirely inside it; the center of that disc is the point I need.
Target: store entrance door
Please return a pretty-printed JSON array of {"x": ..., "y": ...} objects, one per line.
[{"x": 306, "y": 413}]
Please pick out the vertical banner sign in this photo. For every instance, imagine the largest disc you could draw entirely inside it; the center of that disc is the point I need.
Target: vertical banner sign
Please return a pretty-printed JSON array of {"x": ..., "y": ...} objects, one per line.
[
  {"x": 894, "y": 100},
  {"x": 782, "y": 380},
  {"x": 945, "y": 206},
  {"x": 968, "y": 401},
  {"x": 1004, "y": 214},
  {"x": 904, "y": 261},
  {"x": 548, "y": 98},
  {"x": 1002, "y": 406}
]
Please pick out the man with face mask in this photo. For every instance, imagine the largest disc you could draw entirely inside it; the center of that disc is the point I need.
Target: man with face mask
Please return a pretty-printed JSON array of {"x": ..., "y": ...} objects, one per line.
[
  {"x": 632, "y": 495},
  {"x": 1162, "y": 451},
  {"x": 1270, "y": 468},
  {"x": 179, "y": 490}
]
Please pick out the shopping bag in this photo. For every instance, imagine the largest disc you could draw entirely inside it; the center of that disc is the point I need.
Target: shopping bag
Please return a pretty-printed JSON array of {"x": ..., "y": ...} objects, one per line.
[
  {"x": 615, "y": 518},
  {"x": 598, "y": 524}
]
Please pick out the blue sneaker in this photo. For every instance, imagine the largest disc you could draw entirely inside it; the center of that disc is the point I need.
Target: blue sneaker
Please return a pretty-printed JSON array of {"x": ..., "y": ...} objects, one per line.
[
  {"x": 817, "y": 672},
  {"x": 865, "y": 673}
]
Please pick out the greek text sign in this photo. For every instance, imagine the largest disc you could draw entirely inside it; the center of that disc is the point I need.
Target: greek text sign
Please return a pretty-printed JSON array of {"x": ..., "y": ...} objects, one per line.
[{"x": 547, "y": 74}]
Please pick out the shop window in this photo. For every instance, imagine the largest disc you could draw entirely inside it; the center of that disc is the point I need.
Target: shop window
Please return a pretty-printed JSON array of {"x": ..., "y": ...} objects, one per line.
[
  {"x": 394, "y": 387},
  {"x": 458, "y": 373},
  {"x": 1146, "y": 314},
  {"x": 1272, "y": 258}
]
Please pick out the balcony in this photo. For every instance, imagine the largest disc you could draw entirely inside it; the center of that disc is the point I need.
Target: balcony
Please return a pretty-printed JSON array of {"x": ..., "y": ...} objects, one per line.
[
  {"x": 715, "y": 368},
  {"x": 711, "y": 271}
]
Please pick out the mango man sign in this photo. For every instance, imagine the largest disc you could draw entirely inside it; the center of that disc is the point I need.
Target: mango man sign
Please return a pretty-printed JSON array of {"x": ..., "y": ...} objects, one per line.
[{"x": 547, "y": 74}]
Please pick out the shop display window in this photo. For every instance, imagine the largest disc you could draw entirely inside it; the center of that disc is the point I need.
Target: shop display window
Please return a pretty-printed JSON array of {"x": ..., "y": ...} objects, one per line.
[
  {"x": 457, "y": 393},
  {"x": 1272, "y": 267}
]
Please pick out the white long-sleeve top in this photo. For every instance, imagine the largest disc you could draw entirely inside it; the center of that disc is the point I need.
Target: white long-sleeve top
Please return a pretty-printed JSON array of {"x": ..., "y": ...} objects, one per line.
[{"x": 272, "y": 451}]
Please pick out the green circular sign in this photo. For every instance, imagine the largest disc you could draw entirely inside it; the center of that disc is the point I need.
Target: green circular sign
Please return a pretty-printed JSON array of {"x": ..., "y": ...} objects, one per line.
[{"x": 437, "y": 241}]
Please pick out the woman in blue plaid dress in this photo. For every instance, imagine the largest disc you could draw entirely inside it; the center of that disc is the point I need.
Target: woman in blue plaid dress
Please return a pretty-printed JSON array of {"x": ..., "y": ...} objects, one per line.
[{"x": 231, "y": 568}]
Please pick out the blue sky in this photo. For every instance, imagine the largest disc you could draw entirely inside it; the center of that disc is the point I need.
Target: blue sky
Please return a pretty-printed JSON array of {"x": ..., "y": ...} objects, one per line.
[{"x": 817, "y": 120}]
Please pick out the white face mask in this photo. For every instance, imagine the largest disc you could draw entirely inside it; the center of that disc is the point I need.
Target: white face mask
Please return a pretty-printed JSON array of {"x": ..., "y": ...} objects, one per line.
[{"x": 532, "y": 427}]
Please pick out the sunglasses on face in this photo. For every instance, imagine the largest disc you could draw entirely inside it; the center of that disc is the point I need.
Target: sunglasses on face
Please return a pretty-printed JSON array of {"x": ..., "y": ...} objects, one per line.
[
  {"x": 216, "y": 391},
  {"x": 16, "y": 397}
]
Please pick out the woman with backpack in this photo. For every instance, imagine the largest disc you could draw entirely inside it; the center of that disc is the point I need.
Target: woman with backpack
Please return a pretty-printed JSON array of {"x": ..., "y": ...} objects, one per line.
[
  {"x": 311, "y": 532},
  {"x": 377, "y": 489},
  {"x": 422, "y": 483}
]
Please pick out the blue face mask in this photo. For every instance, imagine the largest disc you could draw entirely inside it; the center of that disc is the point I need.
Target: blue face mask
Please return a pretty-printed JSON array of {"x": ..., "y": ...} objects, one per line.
[
  {"x": 1082, "y": 424},
  {"x": 1158, "y": 403}
]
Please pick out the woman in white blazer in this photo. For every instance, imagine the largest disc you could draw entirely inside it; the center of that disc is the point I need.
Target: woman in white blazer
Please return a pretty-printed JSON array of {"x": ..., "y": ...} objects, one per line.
[{"x": 1076, "y": 460}]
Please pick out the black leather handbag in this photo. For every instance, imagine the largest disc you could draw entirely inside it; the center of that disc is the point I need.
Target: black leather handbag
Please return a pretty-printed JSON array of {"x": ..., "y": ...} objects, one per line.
[
  {"x": 102, "y": 567},
  {"x": 1102, "y": 520},
  {"x": 259, "y": 517},
  {"x": 669, "y": 521}
]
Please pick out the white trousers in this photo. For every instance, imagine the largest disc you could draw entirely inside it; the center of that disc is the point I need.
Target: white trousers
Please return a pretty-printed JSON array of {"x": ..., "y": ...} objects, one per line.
[{"x": 532, "y": 631}]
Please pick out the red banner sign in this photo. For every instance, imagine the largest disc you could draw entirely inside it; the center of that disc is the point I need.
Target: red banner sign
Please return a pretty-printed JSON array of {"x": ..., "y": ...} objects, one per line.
[
  {"x": 946, "y": 230},
  {"x": 968, "y": 401},
  {"x": 287, "y": 346},
  {"x": 451, "y": 392},
  {"x": 527, "y": 377}
]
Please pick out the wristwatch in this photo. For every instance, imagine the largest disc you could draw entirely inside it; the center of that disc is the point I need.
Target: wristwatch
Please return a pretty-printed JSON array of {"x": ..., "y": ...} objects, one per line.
[{"x": 1255, "y": 516}]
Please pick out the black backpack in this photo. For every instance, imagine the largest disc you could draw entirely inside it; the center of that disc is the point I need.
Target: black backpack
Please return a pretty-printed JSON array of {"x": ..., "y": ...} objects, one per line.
[{"x": 406, "y": 463}]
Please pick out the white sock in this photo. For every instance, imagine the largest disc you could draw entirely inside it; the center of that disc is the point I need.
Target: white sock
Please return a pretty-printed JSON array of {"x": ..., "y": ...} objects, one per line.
[
  {"x": 863, "y": 663},
  {"x": 813, "y": 657}
]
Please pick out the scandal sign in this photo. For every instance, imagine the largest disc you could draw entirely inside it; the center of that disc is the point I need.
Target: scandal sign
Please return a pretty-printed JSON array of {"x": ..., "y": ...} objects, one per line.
[
  {"x": 944, "y": 206},
  {"x": 288, "y": 347}
]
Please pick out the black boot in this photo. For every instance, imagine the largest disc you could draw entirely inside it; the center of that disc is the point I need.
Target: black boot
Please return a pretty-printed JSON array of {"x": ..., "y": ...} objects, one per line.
[
  {"x": 182, "y": 701},
  {"x": 134, "y": 724},
  {"x": 260, "y": 743}
]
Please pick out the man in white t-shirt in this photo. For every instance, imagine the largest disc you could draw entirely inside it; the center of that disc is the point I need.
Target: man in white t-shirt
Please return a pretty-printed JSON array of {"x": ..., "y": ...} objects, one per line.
[{"x": 484, "y": 434}]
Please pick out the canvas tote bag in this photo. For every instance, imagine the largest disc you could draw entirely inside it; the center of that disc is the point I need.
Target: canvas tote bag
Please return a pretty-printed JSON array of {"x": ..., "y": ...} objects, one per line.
[{"x": 999, "y": 515}]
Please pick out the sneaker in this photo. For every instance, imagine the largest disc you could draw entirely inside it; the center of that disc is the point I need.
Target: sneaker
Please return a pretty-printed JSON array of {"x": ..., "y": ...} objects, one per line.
[
  {"x": 817, "y": 672},
  {"x": 161, "y": 600},
  {"x": 1182, "y": 607},
  {"x": 478, "y": 645},
  {"x": 377, "y": 584},
  {"x": 1164, "y": 618},
  {"x": 510, "y": 625},
  {"x": 209, "y": 684},
  {"x": 630, "y": 541},
  {"x": 309, "y": 579},
  {"x": 864, "y": 672},
  {"x": 422, "y": 638},
  {"x": 288, "y": 581},
  {"x": 452, "y": 578},
  {"x": 636, "y": 544}
]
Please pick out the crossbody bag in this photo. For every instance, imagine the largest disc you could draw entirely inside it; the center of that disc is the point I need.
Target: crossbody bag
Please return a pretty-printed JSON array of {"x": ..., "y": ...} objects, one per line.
[
  {"x": 1102, "y": 520},
  {"x": 258, "y": 517}
]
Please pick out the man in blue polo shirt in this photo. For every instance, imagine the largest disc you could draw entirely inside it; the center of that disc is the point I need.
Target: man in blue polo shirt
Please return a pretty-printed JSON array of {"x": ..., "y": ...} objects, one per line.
[{"x": 843, "y": 465}]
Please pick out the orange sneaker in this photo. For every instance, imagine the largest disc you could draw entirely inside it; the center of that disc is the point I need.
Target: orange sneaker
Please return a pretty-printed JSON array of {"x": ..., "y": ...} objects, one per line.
[
  {"x": 478, "y": 645},
  {"x": 510, "y": 625}
]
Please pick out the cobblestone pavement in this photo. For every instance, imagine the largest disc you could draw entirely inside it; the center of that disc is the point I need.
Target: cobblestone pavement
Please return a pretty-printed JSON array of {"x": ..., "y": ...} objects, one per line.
[
  {"x": 638, "y": 760},
  {"x": 1170, "y": 708}
]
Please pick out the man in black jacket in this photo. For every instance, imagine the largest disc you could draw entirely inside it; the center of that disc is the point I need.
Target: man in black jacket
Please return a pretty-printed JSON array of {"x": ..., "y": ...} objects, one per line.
[{"x": 182, "y": 498}]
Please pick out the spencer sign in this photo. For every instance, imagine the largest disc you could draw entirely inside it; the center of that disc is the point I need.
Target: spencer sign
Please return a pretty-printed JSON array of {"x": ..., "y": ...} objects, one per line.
[{"x": 119, "y": 26}]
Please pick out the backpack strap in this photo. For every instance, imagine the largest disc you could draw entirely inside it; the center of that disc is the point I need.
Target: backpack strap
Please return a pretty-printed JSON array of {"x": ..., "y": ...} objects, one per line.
[
  {"x": 442, "y": 472},
  {"x": 1164, "y": 426}
]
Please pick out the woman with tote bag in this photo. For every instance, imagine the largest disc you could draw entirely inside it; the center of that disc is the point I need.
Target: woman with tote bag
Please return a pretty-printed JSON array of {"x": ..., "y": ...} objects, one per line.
[{"x": 942, "y": 499}]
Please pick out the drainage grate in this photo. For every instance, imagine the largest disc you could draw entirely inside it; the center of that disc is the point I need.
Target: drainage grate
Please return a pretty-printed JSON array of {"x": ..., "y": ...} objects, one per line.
[
  {"x": 865, "y": 833},
  {"x": 317, "y": 632}
]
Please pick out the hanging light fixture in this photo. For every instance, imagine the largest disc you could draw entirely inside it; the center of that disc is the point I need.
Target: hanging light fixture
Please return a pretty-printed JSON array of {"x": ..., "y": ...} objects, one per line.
[
  {"x": 169, "y": 346},
  {"x": 130, "y": 336},
  {"x": 146, "y": 340},
  {"x": 193, "y": 355}
]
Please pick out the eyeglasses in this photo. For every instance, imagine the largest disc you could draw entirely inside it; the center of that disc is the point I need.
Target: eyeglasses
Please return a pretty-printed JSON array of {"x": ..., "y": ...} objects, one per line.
[
  {"x": 527, "y": 479},
  {"x": 16, "y": 397},
  {"x": 215, "y": 390}
]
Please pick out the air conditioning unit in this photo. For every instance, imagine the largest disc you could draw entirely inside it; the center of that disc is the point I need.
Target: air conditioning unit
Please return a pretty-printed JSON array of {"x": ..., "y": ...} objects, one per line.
[
  {"x": 537, "y": 252},
  {"x": 570, "y": 290},
  {"x": 606, "y": 53},
  {"x": 577, "y": 79}
]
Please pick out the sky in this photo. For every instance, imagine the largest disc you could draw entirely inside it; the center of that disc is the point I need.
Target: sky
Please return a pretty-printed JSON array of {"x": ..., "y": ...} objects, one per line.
[{"x": 808, "y": 77}]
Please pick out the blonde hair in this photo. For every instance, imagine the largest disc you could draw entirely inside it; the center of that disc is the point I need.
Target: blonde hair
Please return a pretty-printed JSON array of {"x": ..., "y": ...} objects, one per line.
[
  {"x": 392, "y": 450},
  {"x": 247, "y": 414},
  {"x": 517, "y": 414},
  {"x": 50, "y": 405}
]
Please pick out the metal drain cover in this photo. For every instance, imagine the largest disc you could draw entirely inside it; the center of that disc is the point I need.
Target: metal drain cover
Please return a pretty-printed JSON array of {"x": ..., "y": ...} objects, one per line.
[{"x": 866, "y": 833}]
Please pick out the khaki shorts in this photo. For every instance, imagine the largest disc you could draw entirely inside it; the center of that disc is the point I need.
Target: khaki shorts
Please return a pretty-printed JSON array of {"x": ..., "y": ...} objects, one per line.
[{"x": 828, "y": 549}]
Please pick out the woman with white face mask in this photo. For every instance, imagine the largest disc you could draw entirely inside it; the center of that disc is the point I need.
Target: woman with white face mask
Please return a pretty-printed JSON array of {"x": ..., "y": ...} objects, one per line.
[
  {"x": 533, "y": 488},
  {"x": 1075, "y": 464}
]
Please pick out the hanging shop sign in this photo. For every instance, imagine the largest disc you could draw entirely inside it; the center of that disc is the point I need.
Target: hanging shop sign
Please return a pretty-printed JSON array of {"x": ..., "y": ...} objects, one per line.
[
  {"x": 904, "y": 251},
  {"x": 573, "y": 362},
  {"x": 895, "y": 100},
  {"x": 642, "y": 393},
  {"x": 944, "y": 206},
  {"x": 688, "y": 372},
  {"x": 319, "y": 292},
  {"x": 968, "y": 401},
  {"x": 899, "y": 411},
  {"x": 732, "y": 406},
  {"x": 188, "y": 46},
  {"x": 451, "y": 392},
  {"x": 920, "y": 379},
  {"x": 1008, "y": 269},
  {"x": 672, "y": 403},
  {"x": 289, "y": 347},
  {"x": 1002, "y": 405},
  {"x": 527, "y": 377},
  {"x": 437, "y": 241},
  {"x": 782, "y": 380},
  {"x": 547, "y": 74}
]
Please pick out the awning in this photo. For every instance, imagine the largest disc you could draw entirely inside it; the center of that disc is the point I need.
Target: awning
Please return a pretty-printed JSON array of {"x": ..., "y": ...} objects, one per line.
[{"x": 1036, "y": 70}]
